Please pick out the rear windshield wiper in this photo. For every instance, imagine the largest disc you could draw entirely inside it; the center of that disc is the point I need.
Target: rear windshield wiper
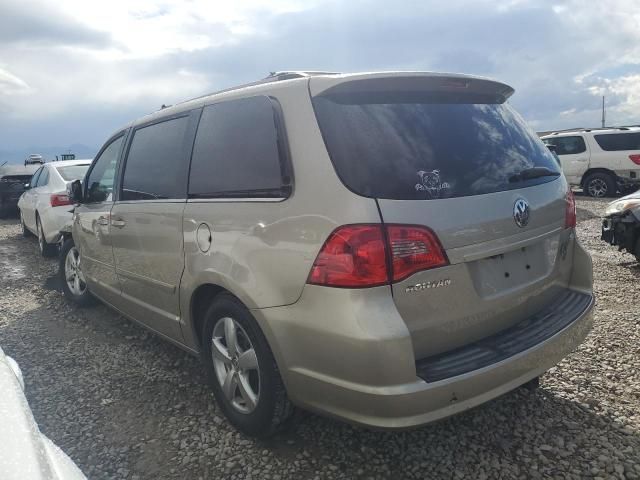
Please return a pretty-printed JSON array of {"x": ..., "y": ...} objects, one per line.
[{"x": 534, "y": 172}]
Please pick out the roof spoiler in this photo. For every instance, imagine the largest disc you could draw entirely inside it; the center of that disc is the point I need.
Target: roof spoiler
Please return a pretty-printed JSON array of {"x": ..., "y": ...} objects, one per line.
[{"x": 434, "y": 85}]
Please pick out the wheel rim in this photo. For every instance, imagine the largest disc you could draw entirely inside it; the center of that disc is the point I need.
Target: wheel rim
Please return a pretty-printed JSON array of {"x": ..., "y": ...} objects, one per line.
[
  {"x": 236, "y": 365},
  {"x": 597, "y": 187},
  {"x": 73, "y": 273}
]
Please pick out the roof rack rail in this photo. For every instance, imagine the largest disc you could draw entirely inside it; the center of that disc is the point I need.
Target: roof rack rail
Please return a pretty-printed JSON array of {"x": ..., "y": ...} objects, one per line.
[{"x": 272, "y": 77}]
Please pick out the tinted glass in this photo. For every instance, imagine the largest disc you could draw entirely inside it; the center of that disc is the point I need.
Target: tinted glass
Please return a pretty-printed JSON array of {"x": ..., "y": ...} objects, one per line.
[
  {"x": 426, "y": 150},
  {"x": 567, "y": 145},
  {"x": 101, "y": 179},
  {"x": 236, "y": 151},
  {"x": 155, "y": 164},
  {"x": 34, "y": 179},
  {"x": 619, "y": 141},
  {"x": 73, "y": 172},
  {"x": 43, "y": 179}
]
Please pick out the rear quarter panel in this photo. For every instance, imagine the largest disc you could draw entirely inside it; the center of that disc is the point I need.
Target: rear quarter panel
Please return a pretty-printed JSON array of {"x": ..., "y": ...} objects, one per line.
[{"x": 262, "y": 251}]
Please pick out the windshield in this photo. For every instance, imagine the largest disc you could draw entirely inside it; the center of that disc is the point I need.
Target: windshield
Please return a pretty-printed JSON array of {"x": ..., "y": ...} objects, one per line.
[
  {"x": 73, "y": 172},
  {"x": 427, "y": 150}
]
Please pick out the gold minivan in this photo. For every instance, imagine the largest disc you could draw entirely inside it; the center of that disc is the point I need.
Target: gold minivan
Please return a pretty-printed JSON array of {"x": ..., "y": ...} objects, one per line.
[{"x": 385, "y": 248}]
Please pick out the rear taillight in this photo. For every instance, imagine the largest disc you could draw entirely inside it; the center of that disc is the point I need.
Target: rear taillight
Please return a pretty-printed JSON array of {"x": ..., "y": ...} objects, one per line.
[
  {"x": 357, "y": 256},
  {"x": 635, "y": 158},
  {"x": 570, "y": 212},
  {"x": 413, "y": 249},
  {"x": 353, "y": 256},
  {"x": 60, "y": 200}
]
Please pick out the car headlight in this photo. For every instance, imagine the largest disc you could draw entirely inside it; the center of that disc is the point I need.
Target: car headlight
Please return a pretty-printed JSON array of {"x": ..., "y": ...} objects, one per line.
[{"x": 621, "y": 206}]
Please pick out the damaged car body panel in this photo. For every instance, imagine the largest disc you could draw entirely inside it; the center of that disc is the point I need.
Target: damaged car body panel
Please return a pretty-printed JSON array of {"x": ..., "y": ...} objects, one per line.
[{"x": 621, "y": 224}]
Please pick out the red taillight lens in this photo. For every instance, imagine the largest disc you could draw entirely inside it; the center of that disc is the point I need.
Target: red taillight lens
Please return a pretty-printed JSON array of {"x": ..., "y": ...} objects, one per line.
[
  {"x": 60, "y": 199},
  {"x": 570, "y": 213},
  {"x": 355, "y": 256},
  {"x": 413, "y": 249},
  {"x": 635, "y": 158}
]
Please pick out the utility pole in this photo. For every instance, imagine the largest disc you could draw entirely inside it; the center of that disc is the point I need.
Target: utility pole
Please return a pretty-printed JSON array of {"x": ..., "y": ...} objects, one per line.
[{"x": 603, "y": 113}]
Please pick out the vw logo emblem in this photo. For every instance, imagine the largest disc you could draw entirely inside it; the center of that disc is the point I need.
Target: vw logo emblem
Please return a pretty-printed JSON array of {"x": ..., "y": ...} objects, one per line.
[{"x": 521, "y": 212}]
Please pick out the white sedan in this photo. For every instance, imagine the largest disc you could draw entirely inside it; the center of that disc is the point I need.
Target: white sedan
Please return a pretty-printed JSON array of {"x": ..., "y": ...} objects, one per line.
[
  {"x": 26, "y": 452},
  {"x": 45, "y": 206}
]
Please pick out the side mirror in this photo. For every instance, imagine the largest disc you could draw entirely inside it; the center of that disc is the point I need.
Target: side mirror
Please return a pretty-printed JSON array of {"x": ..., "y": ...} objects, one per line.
[
  {"x": 27, "y": 186},
  {"x": 74, "y": 191}
]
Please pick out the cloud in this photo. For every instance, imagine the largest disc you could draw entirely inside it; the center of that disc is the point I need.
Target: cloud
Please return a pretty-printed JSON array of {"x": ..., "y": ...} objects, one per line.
[
  {"x": 93, "y": 66},
  {"x": 39, "y": 23}
]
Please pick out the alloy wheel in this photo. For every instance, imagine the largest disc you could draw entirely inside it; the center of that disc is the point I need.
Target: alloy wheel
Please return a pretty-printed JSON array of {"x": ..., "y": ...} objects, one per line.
[
  {"x": 597, "y": 187},
  {"x": 236, "y": 365},
  {"x": 73, "y": 273}
]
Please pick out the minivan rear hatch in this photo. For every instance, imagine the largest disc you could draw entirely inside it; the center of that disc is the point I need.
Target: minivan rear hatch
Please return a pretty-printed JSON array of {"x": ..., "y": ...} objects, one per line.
[{"x": 448, "y": 153}]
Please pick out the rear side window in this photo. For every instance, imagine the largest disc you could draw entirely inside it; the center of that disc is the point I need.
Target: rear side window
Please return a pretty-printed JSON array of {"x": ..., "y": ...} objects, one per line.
[
  {"x": 567, "y": 145},
  {"x": 73, "y": 172},
  {"x": 43, "y": 179},
  {"x": 239, "y": 152},
  {"x": 34, "y": 179},
  {"x": 612, "y": 142},
  {"x": 417, "y": 148},
  {"x": 155, "y": 165}
]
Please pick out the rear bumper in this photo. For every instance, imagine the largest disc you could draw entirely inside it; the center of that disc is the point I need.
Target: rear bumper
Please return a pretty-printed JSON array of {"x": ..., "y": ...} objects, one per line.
[
  {"x": 377, "y": 401},
  {"x": 55, "y": 219}
]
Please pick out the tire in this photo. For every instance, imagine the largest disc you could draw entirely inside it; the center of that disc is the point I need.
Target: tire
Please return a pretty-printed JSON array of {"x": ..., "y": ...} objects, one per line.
[
  {"x": 636, "y": 249},
  {"x": 46, "y": 249},
  {"x": 25, "y": 231},
  {"x": 599, "y": 185},
  {"x": 69, "y": 253},
  {"x": 256, "y": 401}
]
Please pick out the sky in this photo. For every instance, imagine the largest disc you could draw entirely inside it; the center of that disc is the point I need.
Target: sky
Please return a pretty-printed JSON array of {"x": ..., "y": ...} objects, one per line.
[{"x": 73, "y": 71}]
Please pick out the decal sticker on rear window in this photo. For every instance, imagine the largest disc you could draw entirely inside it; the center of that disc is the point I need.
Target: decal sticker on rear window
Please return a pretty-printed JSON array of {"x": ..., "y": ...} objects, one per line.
[{"x": 431, "y": 184}]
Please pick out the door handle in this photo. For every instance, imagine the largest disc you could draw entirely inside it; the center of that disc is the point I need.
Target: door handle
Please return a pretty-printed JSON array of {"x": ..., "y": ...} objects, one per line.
[
  {"x": 118, "y": 222},
  {"x": 103, "y": 221}
]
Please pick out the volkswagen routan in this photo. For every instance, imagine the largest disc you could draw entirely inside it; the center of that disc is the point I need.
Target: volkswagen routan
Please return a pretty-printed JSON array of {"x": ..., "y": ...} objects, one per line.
[{"x": 384, "y": 248}]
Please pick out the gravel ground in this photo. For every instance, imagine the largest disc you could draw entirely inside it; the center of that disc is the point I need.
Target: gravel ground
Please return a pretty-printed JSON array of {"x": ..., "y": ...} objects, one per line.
[{"x": 124, "y": 404}]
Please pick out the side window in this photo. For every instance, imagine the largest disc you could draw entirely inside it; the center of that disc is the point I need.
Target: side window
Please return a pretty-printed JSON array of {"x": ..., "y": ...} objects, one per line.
[
  {"x": 43, "y": 179},
  {"x": 619, "y": 141},
  {"x": 155, "y": 164},
  {"x": 34, "y": 179},
  {"x": 237, "y": 152},
  {"x": 102, "y": 175},
  {"x": 568, "y": 145}
]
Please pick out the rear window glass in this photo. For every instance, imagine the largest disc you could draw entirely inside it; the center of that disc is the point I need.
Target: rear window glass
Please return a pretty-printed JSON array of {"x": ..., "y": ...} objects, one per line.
[
  {"x": 73, "y": 172},
  {"x": 567, "y": 145},
  {"x": 427, "y": 150},
  {"x": 619, "y": 141},
  {"x": 237, "y": 152}
]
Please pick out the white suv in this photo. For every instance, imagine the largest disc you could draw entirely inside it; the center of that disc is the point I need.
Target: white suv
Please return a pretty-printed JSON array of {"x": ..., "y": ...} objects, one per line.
[{"x": 601, "y": 161}]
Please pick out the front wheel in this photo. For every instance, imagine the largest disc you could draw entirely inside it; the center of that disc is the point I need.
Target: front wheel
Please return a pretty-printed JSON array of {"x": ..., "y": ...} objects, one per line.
[
  {"x": 74, "y": 285},
  {"x": 243, "y": 373},
  {"x": 600, "y": 185}
]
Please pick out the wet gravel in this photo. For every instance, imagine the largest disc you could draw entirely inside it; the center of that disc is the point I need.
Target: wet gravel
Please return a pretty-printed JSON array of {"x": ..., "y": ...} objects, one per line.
[{"x": 125, "y": 404}]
